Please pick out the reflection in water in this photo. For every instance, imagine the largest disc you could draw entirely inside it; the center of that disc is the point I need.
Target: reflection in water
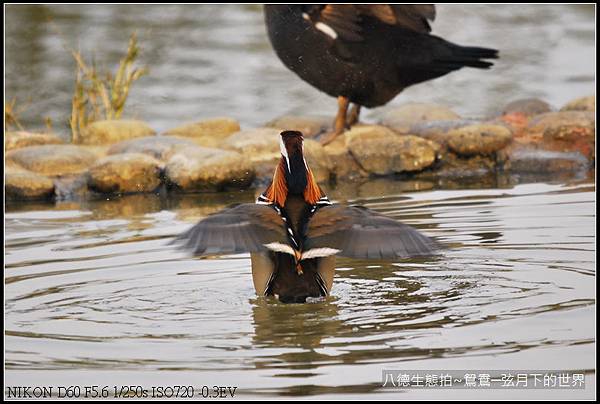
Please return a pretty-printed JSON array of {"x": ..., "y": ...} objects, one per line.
[{"x": 93, "y": 286}]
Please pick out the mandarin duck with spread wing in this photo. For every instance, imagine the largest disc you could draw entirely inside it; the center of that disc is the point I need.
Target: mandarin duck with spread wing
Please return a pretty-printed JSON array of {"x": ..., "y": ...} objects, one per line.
[
  {"x": 293, "y": 232},
  {"x": 364, "y": 54}
]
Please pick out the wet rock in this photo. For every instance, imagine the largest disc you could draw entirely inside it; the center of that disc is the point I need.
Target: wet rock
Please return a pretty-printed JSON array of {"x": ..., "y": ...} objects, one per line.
[
  {"x": 525, "y": 160},
  {"x": 53, "y": 160},
  {"x": 564, "y": 131},
  {"x": 379, "y": 150},
  {"x": 310, "y": 126},
  {"x": 581, "y": 104},
  {"x": 21, "y": 184},
  {"x": 125, "y": 173},
  {"x": 479, "y": 139},
  {"x": 159, "y": 147},
  {"x": 527, "y": 107},
  {"x": 208, "y": 169},
  {"x": 402, "y": 119},
  {"x": 20, "y": 139},
  {"x": 207, "y": 132},
  {"x": 113, "y": 131}
]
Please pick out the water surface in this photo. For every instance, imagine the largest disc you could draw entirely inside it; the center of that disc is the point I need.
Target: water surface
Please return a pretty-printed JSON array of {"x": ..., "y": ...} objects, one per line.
[{"x": 93, "y": 296}]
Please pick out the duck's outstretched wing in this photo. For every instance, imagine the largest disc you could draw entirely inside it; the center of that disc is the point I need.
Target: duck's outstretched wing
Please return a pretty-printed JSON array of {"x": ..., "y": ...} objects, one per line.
[
  {"x": 346, "y": 20},
  {"x": 361, "y": 233},
  {"x": 243, "y": 228}
]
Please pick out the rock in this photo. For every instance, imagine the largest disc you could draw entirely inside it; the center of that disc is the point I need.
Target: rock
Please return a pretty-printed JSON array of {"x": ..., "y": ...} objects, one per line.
[
  {"x": 564, "y": 131},
  {"x": 343, "y": 163},
  {"x": 402, "y": 119},
  {"x": 479, "y": 139},
  {"x": 208, "y": 169},
  {"x": 310, "y": 126},
  {"x": 378, "y": 150},
  {"x": 581, "y": 104},
  {"x": 527, "y": 107},
  {"x": 19, "y": 139},
  {"x": 526, "y": 160},
  {"x": 261, "y": 147},
  {"x": 207, "y": 132},
  {"x": 159, "y": 147},
  {"x": 437, "y": 131},
  {"x": 552, "y": 120},
  {"x": 318, "y": 160},
  {"x": 21, "y": 184},
  {"x": 113, "y": 131},
  {"x": 254, "y": 142},
  {"x": 125, "y": 173},
  {"x": 53, "y": 160}
]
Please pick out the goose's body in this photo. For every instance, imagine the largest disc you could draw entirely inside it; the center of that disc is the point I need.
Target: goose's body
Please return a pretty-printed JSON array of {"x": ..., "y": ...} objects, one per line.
[
  {"x": 293, "y": 232},
  {"x": 364, "y": 54}
]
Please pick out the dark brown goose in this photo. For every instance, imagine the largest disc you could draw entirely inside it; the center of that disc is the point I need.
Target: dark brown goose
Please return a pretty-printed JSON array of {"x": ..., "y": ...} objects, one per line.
[
  {"x": 364, "y": 54},
  {"x": 293, "y": 232}
]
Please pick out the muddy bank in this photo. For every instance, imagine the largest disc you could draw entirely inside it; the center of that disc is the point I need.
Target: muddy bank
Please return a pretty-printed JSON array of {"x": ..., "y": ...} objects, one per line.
[{"x": 412, "y": 142}]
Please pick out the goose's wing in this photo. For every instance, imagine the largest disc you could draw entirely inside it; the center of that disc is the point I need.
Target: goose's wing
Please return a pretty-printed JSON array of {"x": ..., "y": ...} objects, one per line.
[
  {"x": 361, "y": 233},
  {"x": 346, "y": 20},
  {"x": 242, "y": 228}
]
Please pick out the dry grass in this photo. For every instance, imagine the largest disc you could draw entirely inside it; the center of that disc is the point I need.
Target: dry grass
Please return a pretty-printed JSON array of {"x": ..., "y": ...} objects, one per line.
[
  {"x": 102, "y": 95},
  {"x": 11, "y": 115}
]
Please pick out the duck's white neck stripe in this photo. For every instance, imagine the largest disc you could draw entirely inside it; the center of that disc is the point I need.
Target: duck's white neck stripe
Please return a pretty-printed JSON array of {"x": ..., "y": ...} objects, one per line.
[{"x": 284, "y": 153}]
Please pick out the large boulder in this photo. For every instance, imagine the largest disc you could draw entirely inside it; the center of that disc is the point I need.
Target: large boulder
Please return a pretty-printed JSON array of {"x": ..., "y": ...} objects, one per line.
[
  {"x": 207, "y": 132},
  {"x": 159, "y": 147},
  {"x": 402, "y": 118},
  {"x": 125, "y": 173},
  {"x": 21, "y": 184},
  {"x": 208, "y": 169},
  {"x": 53, "y": 160},
  {"x": 20, "y": 139},
  {"x": 380, "y": 151},
  {"x": 478, "y": 139},
  {"x": 113, "y": 131}
]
